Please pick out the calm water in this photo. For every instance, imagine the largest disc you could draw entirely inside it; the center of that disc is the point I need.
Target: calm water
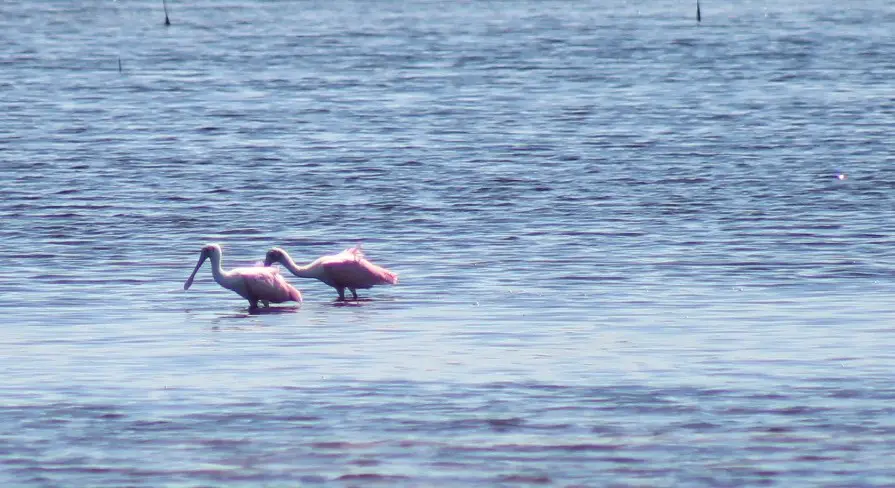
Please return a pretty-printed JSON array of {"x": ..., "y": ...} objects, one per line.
[{"x": 633, "y": 250}]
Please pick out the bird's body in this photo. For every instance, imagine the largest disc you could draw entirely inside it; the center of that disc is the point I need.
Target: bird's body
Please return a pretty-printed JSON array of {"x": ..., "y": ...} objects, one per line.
[
  {"x": 348, "y": 269},
  {"x": 255, "y": 284}
]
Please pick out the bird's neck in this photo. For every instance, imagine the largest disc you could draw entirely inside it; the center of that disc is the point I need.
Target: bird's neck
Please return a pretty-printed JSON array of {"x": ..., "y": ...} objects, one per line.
[
  {"x": 220, "y": 276},
  {"x": 300, "y": 271}
]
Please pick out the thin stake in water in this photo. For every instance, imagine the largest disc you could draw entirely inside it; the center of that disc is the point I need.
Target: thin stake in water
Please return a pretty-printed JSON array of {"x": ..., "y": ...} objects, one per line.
[
  {"x": 698, "y": 13},
  {"x": 165, "y": 6},
  {"x": 119, "y": 64}
]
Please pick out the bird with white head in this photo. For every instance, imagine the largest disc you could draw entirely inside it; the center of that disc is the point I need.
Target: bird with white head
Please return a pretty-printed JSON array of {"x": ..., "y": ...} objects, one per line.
[
  {"x": 256, "y": 284},
  {"x": 349, "y": 269}
]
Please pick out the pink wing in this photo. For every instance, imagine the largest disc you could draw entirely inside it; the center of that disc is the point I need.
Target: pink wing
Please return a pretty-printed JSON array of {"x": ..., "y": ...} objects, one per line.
[
  {"x": 268, "y": 284},
  {"x": 350, "y": 269}
]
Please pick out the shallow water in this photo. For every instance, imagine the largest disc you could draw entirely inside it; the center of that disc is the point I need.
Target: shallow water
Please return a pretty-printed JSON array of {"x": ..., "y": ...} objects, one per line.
[{"x": 633, "y": 250}]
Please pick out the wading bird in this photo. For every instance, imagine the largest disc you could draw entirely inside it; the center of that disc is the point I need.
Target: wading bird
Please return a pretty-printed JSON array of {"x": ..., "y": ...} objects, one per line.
[
  {"x": 348, "y": 269},
  {"x": 255, "y": 284}
]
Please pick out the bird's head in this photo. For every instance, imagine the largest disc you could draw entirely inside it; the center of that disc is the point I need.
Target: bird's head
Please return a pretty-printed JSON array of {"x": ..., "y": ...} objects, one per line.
[
  {"x": 275, "y": 255},
  {"x": 208, "y": 251}
]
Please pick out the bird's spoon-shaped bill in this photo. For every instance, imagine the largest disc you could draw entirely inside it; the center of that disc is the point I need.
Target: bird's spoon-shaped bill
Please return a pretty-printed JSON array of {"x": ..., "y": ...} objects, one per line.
[{"x": 189, "y": 281}]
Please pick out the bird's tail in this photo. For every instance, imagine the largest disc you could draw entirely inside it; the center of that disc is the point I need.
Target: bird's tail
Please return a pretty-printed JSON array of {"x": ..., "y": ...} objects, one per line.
[{"x": 385, "y": 276}]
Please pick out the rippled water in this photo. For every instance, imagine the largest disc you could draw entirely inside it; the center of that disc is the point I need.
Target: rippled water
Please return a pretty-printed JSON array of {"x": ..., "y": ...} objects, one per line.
[{"x": 633, "y": 249}]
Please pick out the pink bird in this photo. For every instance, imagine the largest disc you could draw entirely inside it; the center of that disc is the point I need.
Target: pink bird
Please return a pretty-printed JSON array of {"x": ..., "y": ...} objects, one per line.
[
  {"x": 255, "y": 284},
  {"x": 348, "y": 269}
]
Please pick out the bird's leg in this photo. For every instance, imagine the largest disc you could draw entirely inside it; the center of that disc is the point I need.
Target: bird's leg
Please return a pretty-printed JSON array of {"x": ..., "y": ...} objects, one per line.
[
  {"x": 253, "y": 304},
  {"x": 341, "y": 290},
  {"x": 354, "y": 293},
  {"x": 265, "y": 303}
]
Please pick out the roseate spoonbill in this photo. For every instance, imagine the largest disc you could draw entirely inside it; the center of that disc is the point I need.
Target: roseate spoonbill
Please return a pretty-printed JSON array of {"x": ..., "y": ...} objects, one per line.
[
  {"x": 348, "y": 269},
  {"x": 255, "y": 284}
]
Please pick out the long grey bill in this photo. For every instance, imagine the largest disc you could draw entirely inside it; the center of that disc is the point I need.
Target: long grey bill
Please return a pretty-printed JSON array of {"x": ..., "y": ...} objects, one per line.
[{"x": 189, "y": 281}]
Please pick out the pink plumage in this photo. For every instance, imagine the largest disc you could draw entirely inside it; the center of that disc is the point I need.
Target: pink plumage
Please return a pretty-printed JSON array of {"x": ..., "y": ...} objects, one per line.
[
  {"x": 268, "y": 286},
  {"x": 255, "y": 284},
  {"x": 349, "y": 269},
  {"x": 353, "y": 270}
]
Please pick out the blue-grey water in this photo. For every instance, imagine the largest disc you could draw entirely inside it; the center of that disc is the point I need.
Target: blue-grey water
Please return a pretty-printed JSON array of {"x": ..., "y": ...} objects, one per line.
[{"x": 634, "y": 250}]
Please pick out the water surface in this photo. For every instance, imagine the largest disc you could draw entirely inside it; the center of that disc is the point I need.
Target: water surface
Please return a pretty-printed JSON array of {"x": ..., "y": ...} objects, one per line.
[{"x": 633, "y": 249}]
